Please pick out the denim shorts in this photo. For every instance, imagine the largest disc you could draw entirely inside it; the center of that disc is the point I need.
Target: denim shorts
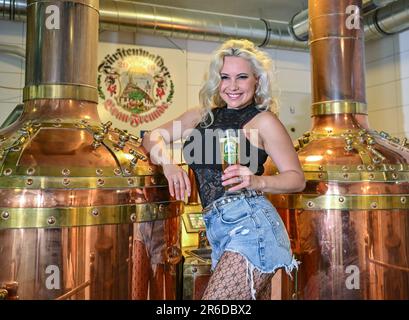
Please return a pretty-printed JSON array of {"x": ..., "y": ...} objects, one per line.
[{"x": 249, "y": 224}]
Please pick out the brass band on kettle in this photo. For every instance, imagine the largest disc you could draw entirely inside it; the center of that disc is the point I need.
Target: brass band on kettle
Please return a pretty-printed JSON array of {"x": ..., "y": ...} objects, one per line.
[
  {"x": 341, "y": 202},
  {"x": 357, "y": 176},
  {"x": 79, "y": 182},
  {"x": 87, "y": 216},
  {"x": 60, "y": 91},
  {"x": 338, "y": 107}
]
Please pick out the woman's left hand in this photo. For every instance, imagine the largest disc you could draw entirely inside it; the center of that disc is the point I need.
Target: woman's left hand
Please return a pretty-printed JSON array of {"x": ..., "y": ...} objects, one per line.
[{"x": 241, "y": 175}]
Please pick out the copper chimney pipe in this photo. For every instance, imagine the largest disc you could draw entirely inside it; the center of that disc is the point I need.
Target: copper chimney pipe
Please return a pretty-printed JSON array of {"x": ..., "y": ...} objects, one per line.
[
  {"x": 349, "y": 227},
  {"x": 83, "y": 213}
]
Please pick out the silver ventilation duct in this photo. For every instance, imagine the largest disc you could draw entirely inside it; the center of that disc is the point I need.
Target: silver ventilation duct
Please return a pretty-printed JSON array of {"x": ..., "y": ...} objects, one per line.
[
  {"x": 382, "y": 17},
  {"x": 389, "y": 20},
  {"x": 13, "y": 50}
]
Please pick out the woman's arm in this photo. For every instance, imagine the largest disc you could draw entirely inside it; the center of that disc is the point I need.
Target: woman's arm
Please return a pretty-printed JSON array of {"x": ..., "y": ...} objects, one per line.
[
  {"x": 278, "y": 145},
  {"x": 155, "y": 143}
]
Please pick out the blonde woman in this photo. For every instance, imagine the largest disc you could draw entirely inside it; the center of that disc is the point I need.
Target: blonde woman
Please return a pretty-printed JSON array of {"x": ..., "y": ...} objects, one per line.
[{"x": 248, "y": 238}]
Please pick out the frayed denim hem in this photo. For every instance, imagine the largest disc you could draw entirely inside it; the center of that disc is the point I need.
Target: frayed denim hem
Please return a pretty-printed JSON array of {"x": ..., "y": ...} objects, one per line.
[{"x": 250, "y": 270}]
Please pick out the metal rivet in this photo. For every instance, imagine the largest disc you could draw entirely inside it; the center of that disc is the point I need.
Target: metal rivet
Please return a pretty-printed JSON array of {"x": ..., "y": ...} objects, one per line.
[
  {"x": 95, "y": 212},
  {"x": 374, "y": 205},
  {"x": 310, "y": 204},
  {"x": 394, "y": 176},
  {"x": 65, "y": 172},
  {"x": 403, "y": 199},
  {"x": 194, "y": 269},
  {"x": 370, "y": 167},
  {"x": 127, "y": 171},
  {"x": 57, "y": 125},
  {"x": 345, "y": 168},
  {"x": 371, "y": 176},
  {"x": 320, "y": 168},
  {"x": 161, "y": 207},
  {"x": 66, "y": 182},
  {"x": 133, "y": 217},
  {"x": 100, "y": 182},
  {"x": 7, "y": 172},
  {"x": 99, "y": 172},
  {"x": 29, "y": 182},
  {"x": 51, "y": 220},
  {"x": 117, "y": 171},
  {"x": 360, "y": 167},
  {"x": 30, "y": 171},
  {"x": 341, "y": 199},
  {"x": 391, "y": 167},
  {"x": 130, "y": 181},
  {"x": 345, "y": 175},
  {"x": 5, "y": 215}
]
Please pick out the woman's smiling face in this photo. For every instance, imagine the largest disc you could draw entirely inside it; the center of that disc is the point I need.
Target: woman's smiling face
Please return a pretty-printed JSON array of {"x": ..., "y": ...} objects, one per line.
[{"x": 238, "y": 82}]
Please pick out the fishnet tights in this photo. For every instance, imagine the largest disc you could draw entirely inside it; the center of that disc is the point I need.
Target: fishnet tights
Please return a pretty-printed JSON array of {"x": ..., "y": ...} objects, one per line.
[{"x": 230, "y": 280}]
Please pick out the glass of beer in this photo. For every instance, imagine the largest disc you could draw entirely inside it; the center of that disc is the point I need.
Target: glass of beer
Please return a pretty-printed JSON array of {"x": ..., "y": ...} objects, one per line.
[{"x": 229, "y": 150}]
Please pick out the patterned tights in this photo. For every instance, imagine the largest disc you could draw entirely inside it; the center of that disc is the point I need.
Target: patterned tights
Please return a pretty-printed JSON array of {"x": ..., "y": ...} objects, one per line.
[{"x": 230, "y": 280}]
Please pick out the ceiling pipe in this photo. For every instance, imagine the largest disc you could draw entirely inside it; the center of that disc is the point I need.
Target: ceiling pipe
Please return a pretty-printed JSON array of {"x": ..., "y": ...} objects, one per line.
[
  {"x": 180, "y": 23},
  {"x": 299, "y": 24},
  {"x": 12, "y": 50}
]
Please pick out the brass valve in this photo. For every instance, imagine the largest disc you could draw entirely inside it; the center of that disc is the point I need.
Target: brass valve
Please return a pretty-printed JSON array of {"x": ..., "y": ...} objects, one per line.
[
  {"x": 106, "y": 127},
  {"x": 370, "y": 140},
  {"x": 123, "y": 138},
  {"x": 99, "y": 136},
  {"x": 348, "y": 142},
  {"x": 136, "y": 157},
  {"x": 384, "y": 135},
  {"x": 136, "y": 139}
]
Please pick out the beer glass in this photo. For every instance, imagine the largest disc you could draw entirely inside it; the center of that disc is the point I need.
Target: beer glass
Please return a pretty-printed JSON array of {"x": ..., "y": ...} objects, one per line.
[{"x": 229, "y": 150}]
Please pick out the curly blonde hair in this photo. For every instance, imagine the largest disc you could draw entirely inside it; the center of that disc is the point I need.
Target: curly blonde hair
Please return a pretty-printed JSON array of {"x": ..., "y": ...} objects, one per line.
[{"x": 262, "y": 66}]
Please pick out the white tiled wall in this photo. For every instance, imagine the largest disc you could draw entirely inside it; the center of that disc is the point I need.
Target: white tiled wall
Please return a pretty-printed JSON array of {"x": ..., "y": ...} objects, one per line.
[
  {"x": 387, "y": 80},
  {"x": 11, "y": 68}
]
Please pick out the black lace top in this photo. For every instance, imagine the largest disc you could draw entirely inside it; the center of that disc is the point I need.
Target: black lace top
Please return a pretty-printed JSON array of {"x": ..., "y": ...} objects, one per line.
[{"x": 201, "y": 151}]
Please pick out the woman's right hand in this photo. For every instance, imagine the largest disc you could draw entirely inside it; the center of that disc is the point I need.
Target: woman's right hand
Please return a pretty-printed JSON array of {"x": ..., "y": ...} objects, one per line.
[{"x": 178, "y": 181}]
